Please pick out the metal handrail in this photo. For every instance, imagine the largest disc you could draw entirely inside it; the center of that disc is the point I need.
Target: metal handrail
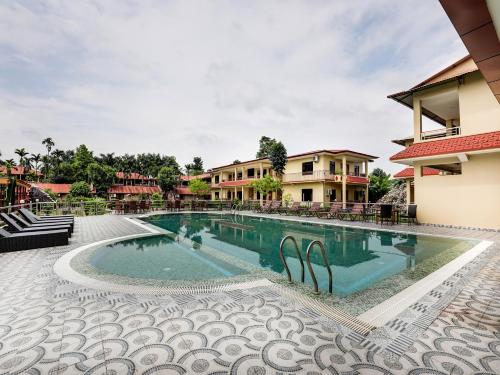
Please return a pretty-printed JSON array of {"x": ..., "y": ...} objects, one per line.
[
  {"x": 440, "y": 133},
  {"x": 283, "y": 260},
  {"x": 327, "y": 265}
]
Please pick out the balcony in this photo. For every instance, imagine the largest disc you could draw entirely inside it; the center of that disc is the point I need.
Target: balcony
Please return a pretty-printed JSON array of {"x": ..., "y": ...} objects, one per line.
[
  {"x": 322, "y": 175},
  {"x": 439, "y": 133}
]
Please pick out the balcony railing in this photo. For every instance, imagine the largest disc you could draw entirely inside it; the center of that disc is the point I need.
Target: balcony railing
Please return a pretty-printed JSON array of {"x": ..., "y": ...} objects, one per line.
[
  {"x": 322, "y": 175},
  {"x": 440, "y": 133}
]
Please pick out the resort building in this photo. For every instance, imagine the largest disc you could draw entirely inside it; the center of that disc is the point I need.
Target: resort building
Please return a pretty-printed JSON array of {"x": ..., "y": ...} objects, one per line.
[
  {"x": 182, "y": 191},
  {"x": 133, "y": 184},
  {"x": 316, "y": 176},
  {"x": 462, "y": 100},
  {"x": 20, "y": 172},
  {"x": 455, "y": 177},
  {"x": 60, "y": 190}
]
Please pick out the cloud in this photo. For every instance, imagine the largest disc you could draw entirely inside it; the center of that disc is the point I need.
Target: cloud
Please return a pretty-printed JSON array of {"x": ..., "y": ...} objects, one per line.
[{"x": 209, "y": 78}]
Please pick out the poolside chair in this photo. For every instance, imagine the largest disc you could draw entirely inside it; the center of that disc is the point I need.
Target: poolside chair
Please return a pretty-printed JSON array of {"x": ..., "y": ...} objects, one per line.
[
  {"x": 14, "y": 227},
  {"x": 314, "y": 210},
  {"x": 335, "y": 212},
  {"x": 265, "y": 207},
  {"x": 272, "y": 207},
  {"x": 118, "y": 207},
  {"x": 293, "y": 209},
  {"x": 32, "y": 240},
  {"x": 31, "y": 218},
  {"x": 358, "y": 211},
  {"x": 385, "y": 214},
  {"x": 411, "y": 214},
  {"x": 25, "y": 224}
]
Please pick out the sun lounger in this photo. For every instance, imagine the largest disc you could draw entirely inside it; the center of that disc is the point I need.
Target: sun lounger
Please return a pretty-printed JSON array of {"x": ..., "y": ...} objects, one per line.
[
  {"x": 335, "y": 212},
  {"x": 293, "y": 209},
  {"x": 14, "y": 227},
  {"x": 273, "y": 207},
  {"x": 25, "y": 211},
  {"x": 314, "y": 210},
  {"x": 50, "y": 224},
  {"x": 265, "y": 207},
  {"x": 32, "y": 240},
  {"x": 30, "y": 218}
]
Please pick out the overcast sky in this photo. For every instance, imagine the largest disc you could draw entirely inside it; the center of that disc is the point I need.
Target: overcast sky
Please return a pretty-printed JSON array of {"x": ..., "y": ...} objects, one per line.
[{"x": 209, "y": 78}]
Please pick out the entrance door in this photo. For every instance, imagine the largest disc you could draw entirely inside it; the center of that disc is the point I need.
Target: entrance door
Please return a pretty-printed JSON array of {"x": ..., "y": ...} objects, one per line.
[
  {"x": 333, "y": 195},
  {"x": 307, "y": 195},
  {"x": 240, "y": 195}
]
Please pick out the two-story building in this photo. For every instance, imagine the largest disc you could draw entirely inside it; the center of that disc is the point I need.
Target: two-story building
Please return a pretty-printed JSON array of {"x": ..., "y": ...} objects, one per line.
[
  {"x": 182, "y": 190},
  {"x": 455, "y": 174},
  {"x": 315, "y": 176},
  {"x": 132, "y": 184}
]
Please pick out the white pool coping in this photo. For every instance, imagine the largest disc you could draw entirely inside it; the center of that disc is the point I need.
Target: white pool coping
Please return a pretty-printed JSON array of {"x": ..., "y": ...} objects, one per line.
[{"x": 393, "y": 306}]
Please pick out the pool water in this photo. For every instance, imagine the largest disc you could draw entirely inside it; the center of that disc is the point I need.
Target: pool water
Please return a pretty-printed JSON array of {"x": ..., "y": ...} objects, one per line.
[{"x": 358, "y": 257}]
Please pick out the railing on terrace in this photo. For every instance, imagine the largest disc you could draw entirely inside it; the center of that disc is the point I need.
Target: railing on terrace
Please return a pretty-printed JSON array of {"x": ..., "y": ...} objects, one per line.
[
  {"x": 316, "y": 176},
  {"x": 440, "y": 133}
]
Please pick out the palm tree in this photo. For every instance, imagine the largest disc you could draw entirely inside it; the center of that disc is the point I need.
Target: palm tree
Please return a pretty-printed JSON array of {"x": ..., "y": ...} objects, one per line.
[
  {"x": 9, "y": 164},
  {"x": 57, "y": 156},
  {"x": 21, "y": 152},
  {"x": 36, "y": 159},
  {"x": 48, "y": 143}
]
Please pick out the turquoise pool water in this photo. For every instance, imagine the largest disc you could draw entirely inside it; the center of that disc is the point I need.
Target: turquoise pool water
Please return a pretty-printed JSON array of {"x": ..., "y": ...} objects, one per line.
[{"x": 358, "y": 257}]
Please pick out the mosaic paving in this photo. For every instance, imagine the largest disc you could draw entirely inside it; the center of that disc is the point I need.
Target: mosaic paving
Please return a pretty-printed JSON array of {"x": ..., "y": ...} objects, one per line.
[{"x": 51, "y": 326}]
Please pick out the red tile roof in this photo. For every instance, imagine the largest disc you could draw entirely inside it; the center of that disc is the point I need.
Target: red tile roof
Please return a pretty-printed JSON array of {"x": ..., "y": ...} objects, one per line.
[
  {"x": 183, "y": 191},
  {"x": 235, "y": 183},
  {"x": 127, "y": 189},
  {"x": 453, "y": 145},
  {"x": 357, "y": 180},
  {"x": 200, "y": 176},
  {"x": 17, "y": 171},
  {"x": 409, "y": 172},
  {"x": 55, "y": 188}
]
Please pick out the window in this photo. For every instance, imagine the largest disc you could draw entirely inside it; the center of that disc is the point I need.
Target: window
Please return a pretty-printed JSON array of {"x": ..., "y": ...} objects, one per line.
[
  {"x": 307, "y": 195},
  {"x": 307, "y": 168},
  {"x": 356, "y": 170},
  {"x": 251, "y": 173},
  {"x": 217, "y": 179},
  {"x": 332, "y": 167},
  {"x": 216, "y": 195},
  {"x": 239, "y": 176}
]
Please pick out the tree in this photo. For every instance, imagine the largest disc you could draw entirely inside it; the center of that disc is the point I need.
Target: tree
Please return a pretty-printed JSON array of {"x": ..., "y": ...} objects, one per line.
[
  {"x": 266, "y": 185},
  {"x": 83, "y": 158},
  {"x": 237, "y": 161},
  {"x": 168, "y": 178},
  {"x": 101, "y": 176},
  {"x": 380, "y": 184},
  {"x": 199, "y": 187},
  {"x": 21, "y": 152},
  {"x": 195, "y": 168},
  {"x": 80, "y": 189},
  {"x": 48, "y": 143},
  {"x": 278, "y": 157},
  {"x": 265, "y": 144},
  {"x": 36, "y": 158}
]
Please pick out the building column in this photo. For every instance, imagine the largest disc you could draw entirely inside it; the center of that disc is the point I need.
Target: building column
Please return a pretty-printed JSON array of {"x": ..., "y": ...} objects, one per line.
[
  {"x": 366, "y": 193},
  {"x": 261, "y": 175},
  {"x": 344, "y": 182},
  {"x": 242, "y": 193},
  {"x": 417, "y": 119},
  {"x": 366, "y": 168},
  {"x": 408, "y": 191}
]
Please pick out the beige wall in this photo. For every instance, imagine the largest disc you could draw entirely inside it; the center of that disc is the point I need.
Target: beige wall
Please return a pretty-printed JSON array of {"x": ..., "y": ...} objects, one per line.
[
  {"x": 295, "y": 165},
  {"x": 470, "y": 199},
  {"x": 479, "y": 110}
]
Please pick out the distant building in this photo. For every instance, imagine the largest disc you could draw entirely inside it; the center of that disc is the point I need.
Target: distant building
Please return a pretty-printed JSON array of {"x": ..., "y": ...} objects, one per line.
[
  {"x": 19, "y": 172},
  {"x": 182, "y": 191},
  {"x": 133, "y": 184}
]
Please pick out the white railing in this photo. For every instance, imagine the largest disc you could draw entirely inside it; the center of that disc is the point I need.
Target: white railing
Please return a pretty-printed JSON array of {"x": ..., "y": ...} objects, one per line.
[
  {"x": 312, "y": 176},
  {"x": 440, "y": 133}
]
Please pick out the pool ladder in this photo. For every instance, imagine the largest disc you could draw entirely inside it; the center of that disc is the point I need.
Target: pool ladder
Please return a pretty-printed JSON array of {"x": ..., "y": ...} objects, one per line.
[{"x": 308, "y": 260}]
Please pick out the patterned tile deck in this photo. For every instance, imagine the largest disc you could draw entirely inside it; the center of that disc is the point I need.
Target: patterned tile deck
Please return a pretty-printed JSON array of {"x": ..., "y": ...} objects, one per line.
[{"x": 48, "y": 325}]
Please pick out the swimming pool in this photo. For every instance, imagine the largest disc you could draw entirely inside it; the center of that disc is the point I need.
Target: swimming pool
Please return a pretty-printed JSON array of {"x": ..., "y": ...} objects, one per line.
[{"x": 212, "y": 246}]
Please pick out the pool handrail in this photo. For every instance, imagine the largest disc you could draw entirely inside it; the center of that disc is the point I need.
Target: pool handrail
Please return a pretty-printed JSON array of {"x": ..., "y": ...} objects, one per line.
[
  {"x": 285, "y": 264},
  {"x": 327, "y": 265}
]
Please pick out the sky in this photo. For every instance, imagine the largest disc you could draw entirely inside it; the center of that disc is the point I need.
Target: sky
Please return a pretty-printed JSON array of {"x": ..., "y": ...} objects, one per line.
[{"x": 209, "y": 78}]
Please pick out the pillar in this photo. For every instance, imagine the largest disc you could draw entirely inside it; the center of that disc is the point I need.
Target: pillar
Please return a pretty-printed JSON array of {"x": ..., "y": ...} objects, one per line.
[
  {"x": 366, "y": 168},
  {"x": 408, "y": 191},
  {"x": 366, "y": 193},
  {"x": 417, "y": 119},
  {"x": 344, "y": 182},
  {"x": 261, "y": 175}
]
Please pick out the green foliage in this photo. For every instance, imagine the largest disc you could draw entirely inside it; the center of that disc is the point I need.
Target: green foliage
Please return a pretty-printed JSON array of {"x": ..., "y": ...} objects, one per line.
[
  {"x": 83, "y": 158},
  {"x": 278, "y": 157},
  {"x": 168, "y": 178},
  {"x": 101, "y": 176},
  {"x": 266, "y": 184},
  {"x": 156, "y": 200},
  {"x": 52, "y": 195},
  {"x": 196, "y": 167},
  {"x": 380, "y": 184},
  {"x": 199, "y": 187},
  {"x": 265, "y": 144},
  {"x": 287, "y": 199},
  {"x": 63, "y": 173},
  {"x": 80, "y": 189},
  {"x": 236, "y": 162}
]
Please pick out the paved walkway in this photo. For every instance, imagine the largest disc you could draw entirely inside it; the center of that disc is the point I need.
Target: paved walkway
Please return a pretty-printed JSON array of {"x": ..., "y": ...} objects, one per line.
[{"x": 51, "y": 326}]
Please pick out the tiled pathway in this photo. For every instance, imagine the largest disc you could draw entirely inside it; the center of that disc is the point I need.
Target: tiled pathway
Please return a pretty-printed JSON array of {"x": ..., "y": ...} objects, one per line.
[{"x": 51, "y": 326}]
